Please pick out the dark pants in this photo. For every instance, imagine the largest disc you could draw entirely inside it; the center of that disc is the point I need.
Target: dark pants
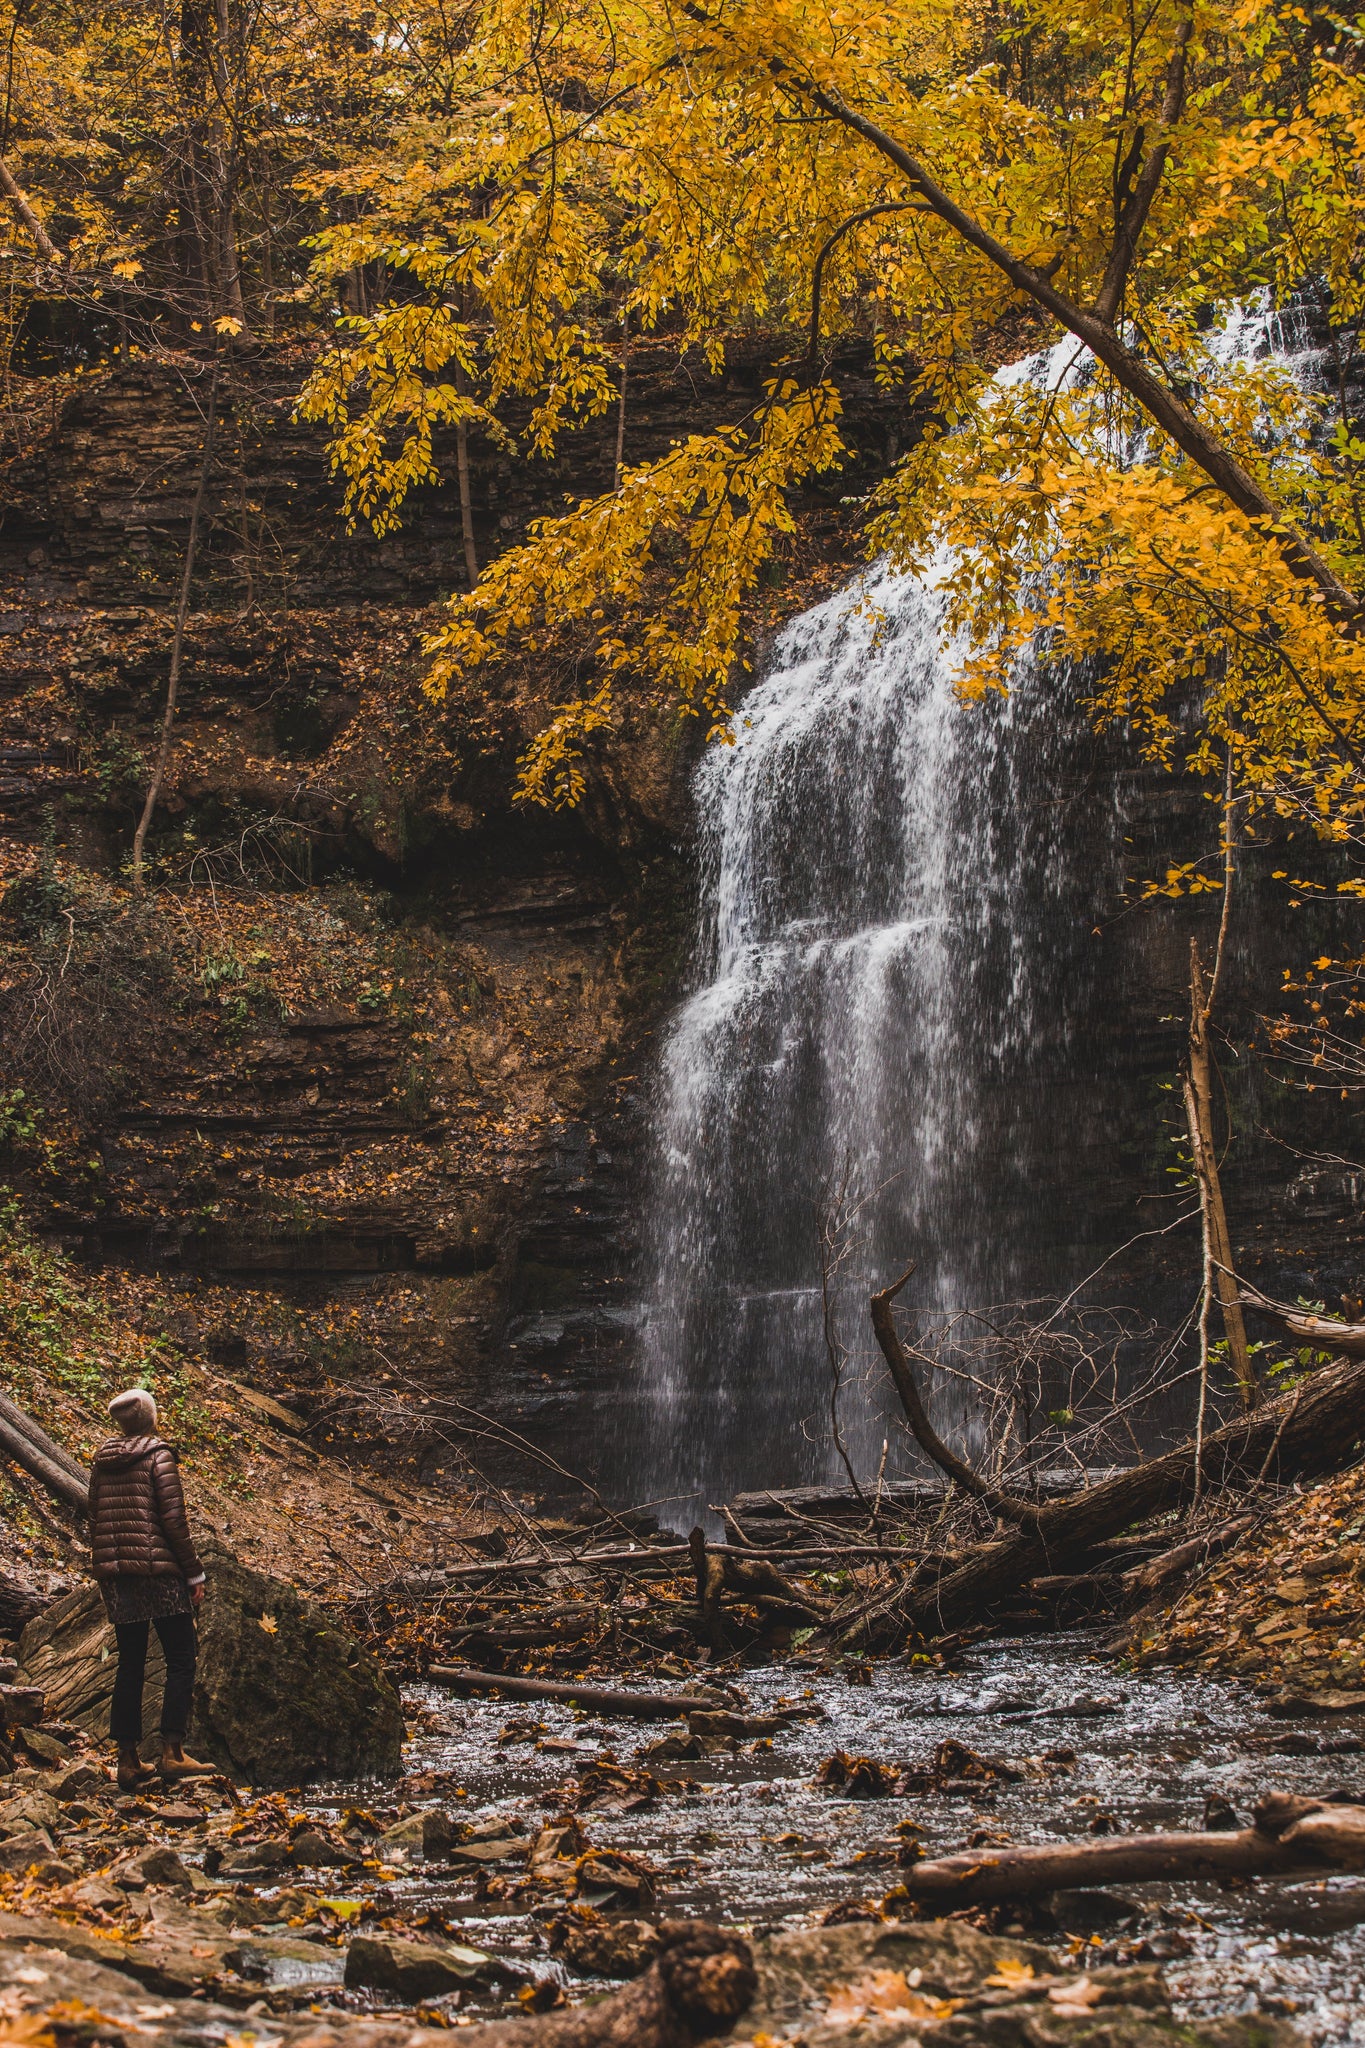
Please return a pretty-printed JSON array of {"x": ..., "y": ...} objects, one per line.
[{"x": 178, "y": 1645}]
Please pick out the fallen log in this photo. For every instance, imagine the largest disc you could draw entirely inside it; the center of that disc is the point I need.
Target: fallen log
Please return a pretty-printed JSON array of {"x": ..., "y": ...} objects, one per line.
[
  {"x": 602, "y": 1699},
  {"x": 1316, "y": 1428},
  {"x": 1147, "y": 1578},
  {"x": 672, "y": 1558},
  {"x": 1291, "y": 1837},
  {"x": 20, "y": 1419},
  {"x": 19, "y": 1445}
]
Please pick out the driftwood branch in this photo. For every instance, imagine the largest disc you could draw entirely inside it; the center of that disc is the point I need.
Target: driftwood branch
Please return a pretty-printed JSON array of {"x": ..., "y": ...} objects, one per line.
[
  {"x": 602, "y": 1699},
  {"x": 1324, "y": 1332},
  {"x": 1290, "y": 1836}
]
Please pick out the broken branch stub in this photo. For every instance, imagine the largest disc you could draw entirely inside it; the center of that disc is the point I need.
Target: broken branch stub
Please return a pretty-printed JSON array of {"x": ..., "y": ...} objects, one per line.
[{"x": 928, "y": 1438}]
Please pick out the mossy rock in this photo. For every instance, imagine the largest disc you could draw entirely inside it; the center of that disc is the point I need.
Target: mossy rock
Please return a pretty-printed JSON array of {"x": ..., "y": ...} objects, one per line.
[{"x": 275, "y": 1705}]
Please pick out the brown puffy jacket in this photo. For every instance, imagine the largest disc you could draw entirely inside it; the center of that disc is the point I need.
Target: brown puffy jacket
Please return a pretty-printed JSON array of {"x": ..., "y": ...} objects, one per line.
[{"x": 137, "y": 1512}]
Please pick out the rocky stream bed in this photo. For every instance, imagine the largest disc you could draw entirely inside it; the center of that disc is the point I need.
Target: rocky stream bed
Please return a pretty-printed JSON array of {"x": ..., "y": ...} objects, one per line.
[{"x": 528, "y": 1854}]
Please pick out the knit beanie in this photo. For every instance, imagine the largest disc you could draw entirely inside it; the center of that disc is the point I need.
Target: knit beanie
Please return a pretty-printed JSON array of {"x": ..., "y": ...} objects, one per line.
[{"x": 134, "y": 1412}]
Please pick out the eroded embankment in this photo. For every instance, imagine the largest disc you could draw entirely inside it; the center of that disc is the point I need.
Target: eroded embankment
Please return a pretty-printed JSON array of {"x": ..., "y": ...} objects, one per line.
[{"x": 1284, "y": 1608}]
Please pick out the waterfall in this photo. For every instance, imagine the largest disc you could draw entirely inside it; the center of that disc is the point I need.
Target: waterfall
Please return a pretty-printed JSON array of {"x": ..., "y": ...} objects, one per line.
[{"x": 897, "y": 982}]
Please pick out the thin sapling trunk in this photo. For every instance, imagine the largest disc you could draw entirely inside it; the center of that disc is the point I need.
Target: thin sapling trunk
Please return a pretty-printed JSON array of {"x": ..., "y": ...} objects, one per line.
[{"x": 178, "y": 639}]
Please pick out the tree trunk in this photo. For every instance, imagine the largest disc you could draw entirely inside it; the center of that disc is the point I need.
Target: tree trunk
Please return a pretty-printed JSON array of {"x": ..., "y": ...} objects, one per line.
[
  {"x": 178, "y": 639},
  {"x": 1199, "y": 1114},
  {"x": 47, "y": 248}
]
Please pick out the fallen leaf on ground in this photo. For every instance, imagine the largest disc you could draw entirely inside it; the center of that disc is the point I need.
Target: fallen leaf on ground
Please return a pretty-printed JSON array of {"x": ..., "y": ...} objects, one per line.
[
  {"x": 1010, "y": 1972},
  {"x": 888, "y": 1994},
  {"x": 1081, "y": 1996}
]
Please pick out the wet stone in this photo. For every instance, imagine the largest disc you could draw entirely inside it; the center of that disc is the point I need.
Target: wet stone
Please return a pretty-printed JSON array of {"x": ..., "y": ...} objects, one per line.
[
  {"x": 311, "y": 1850},
  {"x": 20, "y": 1852},
  {"x": 413, "y": 1969},
  {"x": 157, "y": 1865},
  {"x": 253, "y": 1859}
]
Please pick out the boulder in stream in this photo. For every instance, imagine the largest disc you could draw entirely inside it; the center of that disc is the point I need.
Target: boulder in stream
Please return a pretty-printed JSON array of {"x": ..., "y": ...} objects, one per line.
[{"x": 284, "y": 1691}]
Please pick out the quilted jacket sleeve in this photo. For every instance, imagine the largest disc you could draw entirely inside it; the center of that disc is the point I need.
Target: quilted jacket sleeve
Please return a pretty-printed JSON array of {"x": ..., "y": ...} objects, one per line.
[{"x": 170, "y": 1511}]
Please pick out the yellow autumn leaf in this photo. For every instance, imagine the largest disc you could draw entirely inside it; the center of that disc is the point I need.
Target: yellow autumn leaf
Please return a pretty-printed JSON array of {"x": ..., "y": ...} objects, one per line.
[
  {"x": 269, "y": 1624},
  {"x": 127, "y": 267},
  {"x": 1009, "y": 1973},
  {"x": 889, "y": 1995}
]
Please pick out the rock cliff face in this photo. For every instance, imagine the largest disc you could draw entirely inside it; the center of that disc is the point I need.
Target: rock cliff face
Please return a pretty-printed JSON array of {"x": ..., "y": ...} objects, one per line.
[
  {"x": 365, "y": 1073},
  {"x": 377, "y": 1103}
]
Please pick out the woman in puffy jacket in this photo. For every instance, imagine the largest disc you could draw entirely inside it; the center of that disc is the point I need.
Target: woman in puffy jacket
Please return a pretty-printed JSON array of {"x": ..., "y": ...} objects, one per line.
[{"x": 149, "y": 1573}]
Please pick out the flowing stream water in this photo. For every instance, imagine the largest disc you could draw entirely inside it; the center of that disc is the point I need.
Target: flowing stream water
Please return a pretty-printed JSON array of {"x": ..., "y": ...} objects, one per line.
[{"x": 753, "y": 1838}]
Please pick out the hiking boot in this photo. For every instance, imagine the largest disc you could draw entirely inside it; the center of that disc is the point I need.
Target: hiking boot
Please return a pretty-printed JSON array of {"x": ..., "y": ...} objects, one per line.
[
  {"x": 175, "y": 1765},
  {"x": 133, "y": 1774}
]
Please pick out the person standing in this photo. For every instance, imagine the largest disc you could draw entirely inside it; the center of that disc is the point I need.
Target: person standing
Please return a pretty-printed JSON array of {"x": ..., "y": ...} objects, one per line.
[{"x": 149, "y": 1573}]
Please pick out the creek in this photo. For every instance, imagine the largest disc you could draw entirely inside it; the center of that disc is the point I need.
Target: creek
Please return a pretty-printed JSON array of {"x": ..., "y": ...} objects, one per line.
[{"x": 752, "y": 1838}]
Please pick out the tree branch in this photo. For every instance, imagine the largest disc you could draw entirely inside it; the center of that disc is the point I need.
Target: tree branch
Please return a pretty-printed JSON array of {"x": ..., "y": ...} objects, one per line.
[
  {"x": 47, "y": 248},
  {"x": 818, "y": 275},
  {"x": 928, "y": 1438},
  {"x": 1162, "y": 405},
  {"x": 1137, "y": 204}
]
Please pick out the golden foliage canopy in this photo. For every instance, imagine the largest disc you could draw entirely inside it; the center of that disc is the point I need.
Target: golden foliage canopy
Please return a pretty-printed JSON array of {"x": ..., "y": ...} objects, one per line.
[{"x": 482, "y": 206}]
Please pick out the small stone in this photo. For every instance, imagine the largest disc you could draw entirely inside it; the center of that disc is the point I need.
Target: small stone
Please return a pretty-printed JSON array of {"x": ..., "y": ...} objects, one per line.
[
  {"x": 35, "y": 1809},
  {"x": 42, "y": 1747},
  {"x": 180, "y": 1815},
  {"x": 599, "y": 1947},
  {"x": 157, "y": 1865},
  {"x": 21, "y": 1706},
  {"x": 254, "y": 1859},
  {"x": 75, "y": 1780},
  {"x": 311, "y": 1850},
  {"x": 20, "y": 1852},
  {"x": 99, "y": 1896},
  {"x": 413, "y": 1969}
]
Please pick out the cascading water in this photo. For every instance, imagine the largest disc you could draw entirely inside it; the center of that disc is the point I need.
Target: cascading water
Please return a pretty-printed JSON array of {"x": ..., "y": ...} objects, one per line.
[{"x": 896, "y": 985}]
